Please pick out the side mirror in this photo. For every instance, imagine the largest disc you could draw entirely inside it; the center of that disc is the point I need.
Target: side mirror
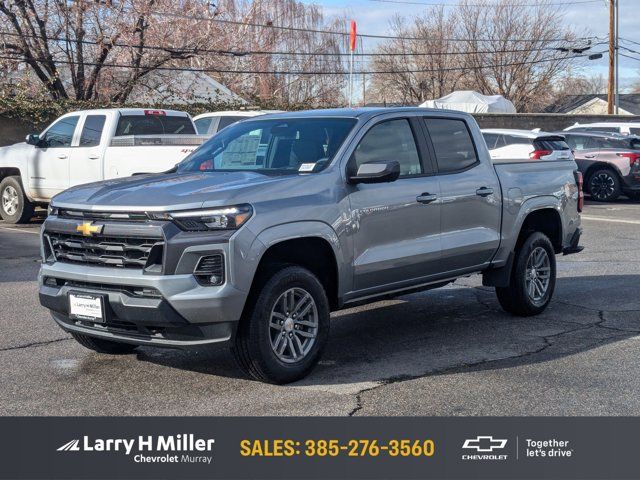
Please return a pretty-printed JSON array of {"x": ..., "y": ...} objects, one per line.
[
  {"x": 376, "y": 172},
  {"x": 33, "y": 139}
]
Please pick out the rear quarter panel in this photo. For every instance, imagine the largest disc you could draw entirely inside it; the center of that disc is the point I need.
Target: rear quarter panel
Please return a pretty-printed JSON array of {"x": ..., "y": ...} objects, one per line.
[{"x": 533, "y": 185}]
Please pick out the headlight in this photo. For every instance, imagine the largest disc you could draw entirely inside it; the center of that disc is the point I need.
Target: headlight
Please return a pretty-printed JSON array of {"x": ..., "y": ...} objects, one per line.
[
  {"x": 51, "y": 210},
  {"x": 223, "y": 218}
]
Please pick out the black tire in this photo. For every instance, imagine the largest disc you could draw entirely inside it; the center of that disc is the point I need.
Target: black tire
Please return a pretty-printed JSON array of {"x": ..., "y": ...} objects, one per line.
[
  {"x": 515, "y": 298},
  {"x": 103, "y": 346},
  {"x": 24, "y": 209},
  {"x": 604, "y": 185},
  {"x": 253, "y": 343}
]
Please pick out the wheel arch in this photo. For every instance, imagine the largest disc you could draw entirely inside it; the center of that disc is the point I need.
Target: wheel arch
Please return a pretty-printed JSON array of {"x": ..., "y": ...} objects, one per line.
[{"x": 312, "y": 245}]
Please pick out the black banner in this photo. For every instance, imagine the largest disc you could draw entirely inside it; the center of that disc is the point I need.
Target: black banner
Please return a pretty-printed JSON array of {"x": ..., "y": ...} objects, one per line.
[{"x": 300, "y": 448}]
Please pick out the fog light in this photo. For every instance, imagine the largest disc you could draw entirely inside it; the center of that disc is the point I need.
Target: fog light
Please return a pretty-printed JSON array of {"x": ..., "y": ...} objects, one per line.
[{"x": 210, "y": 270}]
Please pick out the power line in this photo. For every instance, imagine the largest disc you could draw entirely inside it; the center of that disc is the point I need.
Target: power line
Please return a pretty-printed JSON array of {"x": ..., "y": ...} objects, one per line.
[
  {"x": 318, "y": 31},
  {"x": 304, "y": 72},
  {"x": 243, "y": 53},
  {"x": 493, "y": 5}
]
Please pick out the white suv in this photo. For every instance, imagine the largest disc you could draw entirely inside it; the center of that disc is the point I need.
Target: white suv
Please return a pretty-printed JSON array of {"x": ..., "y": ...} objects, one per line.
[
  {"x": 625, "y": 128},
  {"x": 508, "y": 144}
]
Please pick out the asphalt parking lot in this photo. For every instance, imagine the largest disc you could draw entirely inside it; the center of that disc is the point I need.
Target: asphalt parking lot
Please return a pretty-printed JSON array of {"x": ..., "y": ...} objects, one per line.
[{"x": 451, "y": 351}]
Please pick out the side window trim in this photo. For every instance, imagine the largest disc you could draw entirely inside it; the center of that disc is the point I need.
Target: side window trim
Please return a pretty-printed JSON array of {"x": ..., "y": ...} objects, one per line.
[{"x": 433, "y": 150}]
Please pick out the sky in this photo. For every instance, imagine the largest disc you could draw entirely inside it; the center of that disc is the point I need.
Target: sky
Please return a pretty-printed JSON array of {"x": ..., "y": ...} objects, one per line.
[{"x": 588, "y": 19}]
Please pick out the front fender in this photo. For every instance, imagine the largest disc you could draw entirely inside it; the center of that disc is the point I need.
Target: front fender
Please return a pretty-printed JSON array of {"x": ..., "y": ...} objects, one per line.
[{"x": 289, "y": 231}]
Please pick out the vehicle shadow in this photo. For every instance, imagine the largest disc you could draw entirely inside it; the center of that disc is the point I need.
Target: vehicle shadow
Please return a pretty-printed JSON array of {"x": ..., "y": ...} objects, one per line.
[{"x": 452, "y": 329}]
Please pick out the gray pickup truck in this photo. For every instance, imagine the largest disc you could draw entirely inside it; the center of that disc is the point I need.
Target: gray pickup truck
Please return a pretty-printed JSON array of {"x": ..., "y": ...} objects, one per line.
[{"x": 276, "y": 221}]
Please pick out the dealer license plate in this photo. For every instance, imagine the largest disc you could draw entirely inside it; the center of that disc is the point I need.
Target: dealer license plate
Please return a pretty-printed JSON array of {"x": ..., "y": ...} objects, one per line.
[{"x": 85, "y": 306}]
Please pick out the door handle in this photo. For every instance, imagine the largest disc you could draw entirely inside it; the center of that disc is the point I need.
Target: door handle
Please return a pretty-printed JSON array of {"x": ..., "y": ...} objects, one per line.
[
  {"x": 62, "y": 156},
  {"x": 426, "y": 198},
  {"x": 484, "y": 191},
  {"x": 94, "y": 157},
  {"x": 590, "y": 156}
]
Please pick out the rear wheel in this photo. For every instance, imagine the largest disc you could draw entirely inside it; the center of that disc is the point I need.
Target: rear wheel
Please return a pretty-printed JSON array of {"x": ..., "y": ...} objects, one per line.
[
  {"x": 103, "y": 346},
  {"x": 15, "y": 207},
  {"x": 604, "y": 185},
  {"x": 533, "y": 278},
  {"x": 282, "y": 336}
]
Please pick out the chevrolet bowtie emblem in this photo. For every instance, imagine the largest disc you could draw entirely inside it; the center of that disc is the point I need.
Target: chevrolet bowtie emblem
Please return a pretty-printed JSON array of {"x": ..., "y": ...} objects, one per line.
[{"x": 87, "y": 229}]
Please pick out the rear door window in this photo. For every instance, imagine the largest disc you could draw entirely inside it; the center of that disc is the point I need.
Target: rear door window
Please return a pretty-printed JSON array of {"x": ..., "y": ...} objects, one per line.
[
  {"x": 92, "y": 130},
  {"x": 634, "y": 131},
  {"x": 60, "y": 134},
  {"x": 203, "y": 124},
  {"x": 603, "y": 129},
  {"x": 154, "y": 125},
  {"x": 452, "y": 143}
]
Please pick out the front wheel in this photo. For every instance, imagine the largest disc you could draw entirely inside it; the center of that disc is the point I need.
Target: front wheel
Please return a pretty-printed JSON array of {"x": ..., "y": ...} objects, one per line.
[
  {"x": 282, "y": 337},
  {"x": 604, "y": 185},
  {"x": 15, "y": 207},
  {"x": 533, "y": 278}
]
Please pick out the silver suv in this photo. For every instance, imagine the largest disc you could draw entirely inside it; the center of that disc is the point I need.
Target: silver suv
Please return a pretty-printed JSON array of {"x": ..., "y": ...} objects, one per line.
[{"x": 280, "y": 219}]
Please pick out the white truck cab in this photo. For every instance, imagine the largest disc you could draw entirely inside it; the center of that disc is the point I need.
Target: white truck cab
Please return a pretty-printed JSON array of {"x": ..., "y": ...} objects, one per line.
[{"x": 89, "y": 146}]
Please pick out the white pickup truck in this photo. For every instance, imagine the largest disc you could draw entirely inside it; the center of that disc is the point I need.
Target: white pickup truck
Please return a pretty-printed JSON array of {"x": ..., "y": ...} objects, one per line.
[{"x": 89, "y": 146}]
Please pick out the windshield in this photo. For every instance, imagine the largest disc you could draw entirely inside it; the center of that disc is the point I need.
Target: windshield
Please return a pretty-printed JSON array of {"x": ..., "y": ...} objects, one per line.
[{"x": 278, "y": 146}]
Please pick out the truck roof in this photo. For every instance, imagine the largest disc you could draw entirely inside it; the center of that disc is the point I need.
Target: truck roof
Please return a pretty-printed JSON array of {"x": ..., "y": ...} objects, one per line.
[
  {"x": 361, "y": 112},
  {"x": 135, "y": 111}
]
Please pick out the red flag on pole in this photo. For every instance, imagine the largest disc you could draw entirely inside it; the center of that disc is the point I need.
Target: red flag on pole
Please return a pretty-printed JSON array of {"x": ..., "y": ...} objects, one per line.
[{"x": 352, "y": 36}]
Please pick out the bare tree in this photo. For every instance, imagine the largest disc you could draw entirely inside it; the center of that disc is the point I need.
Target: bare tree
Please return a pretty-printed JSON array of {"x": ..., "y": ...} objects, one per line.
[
  {"x": 512, "y": 49},
  {"x": 72, "y": 46},
  {"x": 420, "y": 69},
  {"x": 492, "y": 47}
]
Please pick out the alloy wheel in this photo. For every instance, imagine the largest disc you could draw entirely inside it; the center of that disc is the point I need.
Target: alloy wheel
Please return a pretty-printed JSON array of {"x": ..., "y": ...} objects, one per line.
[
  {"x": 10, "y": 200},
  {"x": 602, "y": 186},
  {"x": 293, "y": 325},
  {"x": 538, "y": 275}
]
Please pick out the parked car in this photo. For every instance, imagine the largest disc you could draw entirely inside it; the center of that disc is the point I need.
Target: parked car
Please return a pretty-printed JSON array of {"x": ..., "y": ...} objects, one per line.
[
  {"x": 88, "y": 146},
  {"x": 509, "y": 144},
  {"x": 610, "y": 163},
  {"x": 211, "y": 123},
  {"x": 254, "y": 249},
  {"x": 624, "y": 128}
]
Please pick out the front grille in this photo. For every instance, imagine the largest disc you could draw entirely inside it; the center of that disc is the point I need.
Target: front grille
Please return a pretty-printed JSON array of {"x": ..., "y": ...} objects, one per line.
[
  {"x": 112, "y": 216},
  {"x": 121, "y": 252}
]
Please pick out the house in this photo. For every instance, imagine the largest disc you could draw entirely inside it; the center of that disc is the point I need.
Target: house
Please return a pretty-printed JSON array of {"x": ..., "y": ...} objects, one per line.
[{"x": 595, "y": 104}]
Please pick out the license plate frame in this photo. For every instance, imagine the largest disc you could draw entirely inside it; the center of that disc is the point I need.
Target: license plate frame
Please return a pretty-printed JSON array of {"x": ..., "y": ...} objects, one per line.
[{"x": 90, "y": 307}]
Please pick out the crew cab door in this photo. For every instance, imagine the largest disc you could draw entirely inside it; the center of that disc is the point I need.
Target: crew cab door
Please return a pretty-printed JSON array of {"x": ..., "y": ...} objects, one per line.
[
  {"x": 470, "y": 196},
  {"x": 86, "y": 162},
  {"x": 49, "y": 164},
  {"x": 397, "y": 224}
]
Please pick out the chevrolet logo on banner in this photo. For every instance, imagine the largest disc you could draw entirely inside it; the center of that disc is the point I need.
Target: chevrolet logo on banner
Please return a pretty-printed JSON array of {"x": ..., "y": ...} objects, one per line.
[
  {"x": 88, "y": 229},
  {"x": 485, "y": 444}
]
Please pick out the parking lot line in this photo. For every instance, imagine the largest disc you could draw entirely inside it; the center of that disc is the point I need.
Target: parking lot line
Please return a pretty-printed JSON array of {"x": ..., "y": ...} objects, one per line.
[
  {"x": 20, "y": 230},
  {"x": 610, "y": 220}
]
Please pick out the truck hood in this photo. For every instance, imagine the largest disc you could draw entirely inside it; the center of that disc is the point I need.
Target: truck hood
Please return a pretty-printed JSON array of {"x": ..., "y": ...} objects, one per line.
[{"x": 163, "y": 192}]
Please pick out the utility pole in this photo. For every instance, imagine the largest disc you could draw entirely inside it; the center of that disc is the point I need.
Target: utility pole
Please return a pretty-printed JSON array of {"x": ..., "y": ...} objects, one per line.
[
  {"x": 617, "y": 97},
  {"x": 612, "y": 38}
]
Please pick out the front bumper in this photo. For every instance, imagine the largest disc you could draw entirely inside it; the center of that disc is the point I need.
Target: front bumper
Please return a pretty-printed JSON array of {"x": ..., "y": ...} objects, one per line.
[{"x": 163, "y": 310}]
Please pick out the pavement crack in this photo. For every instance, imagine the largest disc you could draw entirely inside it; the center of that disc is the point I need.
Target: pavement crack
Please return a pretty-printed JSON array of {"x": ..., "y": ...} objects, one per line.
[{"x": 34, "y": 344}]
